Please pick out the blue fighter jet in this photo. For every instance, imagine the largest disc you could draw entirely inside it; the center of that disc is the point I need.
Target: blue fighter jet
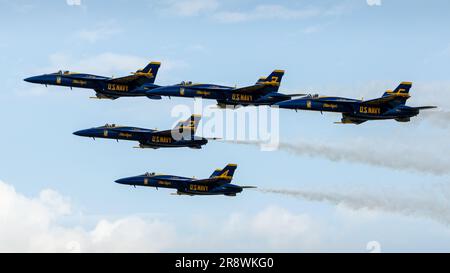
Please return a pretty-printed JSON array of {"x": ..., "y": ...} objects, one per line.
[
  {"x": 264, "y": 92},
  {"x": 219, "y": 183},
  {"x": 104, "y": 87},
  {"x": 183, "y": 135},
  {"x": 390, "y": 106}
]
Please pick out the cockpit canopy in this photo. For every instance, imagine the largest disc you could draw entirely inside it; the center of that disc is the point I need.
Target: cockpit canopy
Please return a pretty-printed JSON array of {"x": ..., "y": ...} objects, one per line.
[
  {"x": 186, "y": 83},
  {"x": 60, "y": 72},
  {"x": 150, "y": 174},
  {"x": 314, "y": 96},
  {"x": 110, "y": 126}
]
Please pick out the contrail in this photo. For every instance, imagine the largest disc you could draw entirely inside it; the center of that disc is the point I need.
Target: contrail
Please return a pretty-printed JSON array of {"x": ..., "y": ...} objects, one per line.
[
  {"x": 431, "y": 205},
  {"x": 397, "y": 157},
  {"x": 438, "y": 118}
]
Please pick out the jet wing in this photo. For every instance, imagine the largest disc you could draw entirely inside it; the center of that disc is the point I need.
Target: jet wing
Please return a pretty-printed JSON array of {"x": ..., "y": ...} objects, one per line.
[
  {"x": 296, "y": 95},
  {"x": 425, "y": 107},
  {"x": 249, "y": 89},
  {"x": 138, "y": 131},
  {"x": 337, "y": 100},
  {"x": 212, "y": 180},
  {"x": 163, "y": 133},
  {"x": 124, "y": 80},
  {"x": 84, "y": 77},
  {"x": 384, "y": 100},
  {"x": 202, "y": 87},
  {"x": 357, "y": 122},
  {"x": 351, "y": 120}
]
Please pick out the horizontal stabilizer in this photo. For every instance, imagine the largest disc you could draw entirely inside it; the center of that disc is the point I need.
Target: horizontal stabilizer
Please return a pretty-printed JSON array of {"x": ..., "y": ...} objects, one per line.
[
  {"x": 425, "y": 107},
  {"x": 155, "y": 97}
]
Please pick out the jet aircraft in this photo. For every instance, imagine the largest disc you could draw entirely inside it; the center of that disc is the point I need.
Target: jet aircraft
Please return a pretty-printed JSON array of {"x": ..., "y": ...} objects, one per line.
[
  {"x": 183, "y": 135},
  {"x": 219, "y": 183},
  {"x": 104, "y": 87},
  {"x": 390, "y": 106},
  {"x": 264, "y": 92}
]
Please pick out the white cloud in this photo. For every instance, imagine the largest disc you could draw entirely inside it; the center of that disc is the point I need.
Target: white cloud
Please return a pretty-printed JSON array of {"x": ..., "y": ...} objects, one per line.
[
  {"x": 49, "y": 223},
  {"x": 73, "y": 2},
  {"x": 283, "y": 228},
  {"x": 212, "y": 9},
  {"x": 267, "y": 12},
  {"x": 33, "y": 225},
  {"x": 192, "y": 7},
  {"x": 102, "y": 31},
  {"x": 374, "y": 2},
  {"x": 311, "y": 29},
  {"x": 105, "y": 63},
  {"x": 108, "y": 64}
]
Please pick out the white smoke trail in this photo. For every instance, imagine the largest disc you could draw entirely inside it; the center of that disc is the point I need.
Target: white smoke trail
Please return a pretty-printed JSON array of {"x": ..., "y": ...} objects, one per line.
[
  {"x": 438, "y": 118},
  {"x": 434, "y": 205},
  {"x": 392, "y": 156},
  {"x": 396, "y": 157}
]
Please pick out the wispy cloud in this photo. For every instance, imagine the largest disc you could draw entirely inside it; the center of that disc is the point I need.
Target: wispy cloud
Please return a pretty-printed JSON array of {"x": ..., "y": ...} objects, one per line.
[
  {"x": 192, "y": 7},
  {"x": 33, "y": 225},
  {"x": 220, "y": 13},
  {"x": 73, "y": 2},
  {"x": 267, "y": 12},
  {"x": 102, "y": 31},
  {"x": 109, "y": 64},
  {"x": 374, "y": 2}
]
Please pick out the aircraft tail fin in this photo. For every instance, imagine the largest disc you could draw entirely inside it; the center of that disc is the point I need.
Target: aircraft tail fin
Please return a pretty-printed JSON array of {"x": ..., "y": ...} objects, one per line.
[
  {"x": 273, "y": 80},
  {"x": 150, "y": 71},
  {"x": 402, "y": 91},
  {"x": 140, "y": 77},
  {"x": 190, "y": 124},
  {"x": 225, "y": 174}
]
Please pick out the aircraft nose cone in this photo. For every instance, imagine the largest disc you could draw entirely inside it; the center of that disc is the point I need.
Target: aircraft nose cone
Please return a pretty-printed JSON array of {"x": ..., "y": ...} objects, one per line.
[
  {"x": 83, "y": 133},
  {"x": 33, "y": 79},
  {"x": 123, "y": 181}
]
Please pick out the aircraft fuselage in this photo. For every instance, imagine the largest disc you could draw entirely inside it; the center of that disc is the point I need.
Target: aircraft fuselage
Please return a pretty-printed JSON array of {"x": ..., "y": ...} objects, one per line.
[
  {"x": 183, "y": 185},
  {"x": 101, "y": 85},
  {"x": 352, "y": 108},
  {"x": 146, "y": 138}
]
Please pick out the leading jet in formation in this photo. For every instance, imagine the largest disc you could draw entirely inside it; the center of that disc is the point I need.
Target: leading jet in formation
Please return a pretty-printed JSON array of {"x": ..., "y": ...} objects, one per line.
[
  {"x": 390, "y": 106},
  {"x": 219, "y": 183},
  {"x": 183, "y": 135},
  {"x": 104, "y": 87},
  {"x": 264, "y": 92}
]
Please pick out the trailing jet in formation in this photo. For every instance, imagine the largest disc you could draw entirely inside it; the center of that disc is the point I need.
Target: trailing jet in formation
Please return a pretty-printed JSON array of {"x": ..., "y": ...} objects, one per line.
[
  {"x": 219, "y": 183},
  {"x": 104, "y": 87},
  {"x": 183, "y": 135},
  {"x": 390, "y": 106},
  {"x": 264, "y": 92}
]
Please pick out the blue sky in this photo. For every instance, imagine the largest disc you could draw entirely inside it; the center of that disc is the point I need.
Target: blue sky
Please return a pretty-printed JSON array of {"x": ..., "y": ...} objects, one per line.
[{"x": 381, "y": 181}]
